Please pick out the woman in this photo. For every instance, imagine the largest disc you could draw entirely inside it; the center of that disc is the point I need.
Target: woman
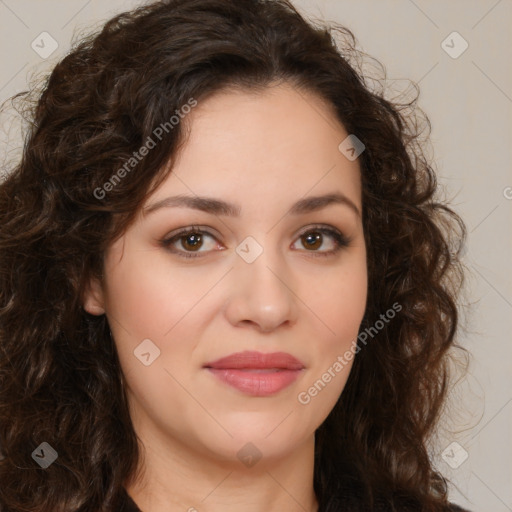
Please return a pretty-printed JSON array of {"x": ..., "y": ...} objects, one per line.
[{"x": 226, "y": 282}]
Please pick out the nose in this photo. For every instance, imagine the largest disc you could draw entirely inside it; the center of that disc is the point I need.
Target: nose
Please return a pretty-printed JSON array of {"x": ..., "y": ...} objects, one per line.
[{"x": 260, "y": 294}]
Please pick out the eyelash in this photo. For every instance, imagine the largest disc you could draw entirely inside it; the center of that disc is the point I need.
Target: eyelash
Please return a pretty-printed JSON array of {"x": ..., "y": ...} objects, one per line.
[{"x": 340, "y": 240}]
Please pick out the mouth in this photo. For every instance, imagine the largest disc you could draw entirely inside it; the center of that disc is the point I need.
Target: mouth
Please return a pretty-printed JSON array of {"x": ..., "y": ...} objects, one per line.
[{"x": 255, "y": 373}]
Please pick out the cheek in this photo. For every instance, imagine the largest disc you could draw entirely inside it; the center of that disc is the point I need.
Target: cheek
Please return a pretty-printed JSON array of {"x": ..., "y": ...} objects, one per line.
[
  {"x": 341, "y": 305},
  {"x": 147, "y": 297},
  {"x": 145, "y": 302},
  {"x": 339, "y": 302}
]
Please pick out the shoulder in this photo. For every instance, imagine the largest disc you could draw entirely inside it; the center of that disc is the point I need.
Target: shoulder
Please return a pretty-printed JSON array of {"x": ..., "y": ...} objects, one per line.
[{"x": 354, "y": 499}]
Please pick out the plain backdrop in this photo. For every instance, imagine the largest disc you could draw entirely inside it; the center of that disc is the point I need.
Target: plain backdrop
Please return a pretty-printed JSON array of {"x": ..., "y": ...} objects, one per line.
[{"x": 458, "y": 52}]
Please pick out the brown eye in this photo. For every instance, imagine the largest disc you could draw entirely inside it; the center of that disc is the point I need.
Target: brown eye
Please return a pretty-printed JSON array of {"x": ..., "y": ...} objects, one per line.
[
  {"x": 191, "y": 241},
  {"x": 188, "y": 242},
  {"x": 314, "y": 238}
]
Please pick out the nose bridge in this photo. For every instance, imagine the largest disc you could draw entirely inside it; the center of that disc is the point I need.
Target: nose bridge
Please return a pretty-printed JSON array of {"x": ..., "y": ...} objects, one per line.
[
  {"x": 261, "y": 285},
  {"x": 260, "y": 264}
]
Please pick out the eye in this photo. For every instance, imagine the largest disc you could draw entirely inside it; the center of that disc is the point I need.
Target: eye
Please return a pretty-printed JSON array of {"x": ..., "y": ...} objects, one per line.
[
  {"x": 314, "y": 237},
  {"x": 190, "y": 239},
  {"x": 187, "y": 242}
]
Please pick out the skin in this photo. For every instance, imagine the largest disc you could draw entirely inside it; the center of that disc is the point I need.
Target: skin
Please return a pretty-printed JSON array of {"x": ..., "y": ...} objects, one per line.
[{"x": 262, "y": 151}]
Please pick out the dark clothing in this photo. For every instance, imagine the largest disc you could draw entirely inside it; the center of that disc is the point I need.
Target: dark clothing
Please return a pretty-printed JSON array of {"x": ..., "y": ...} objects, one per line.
[{"x": 129, "y": 506}]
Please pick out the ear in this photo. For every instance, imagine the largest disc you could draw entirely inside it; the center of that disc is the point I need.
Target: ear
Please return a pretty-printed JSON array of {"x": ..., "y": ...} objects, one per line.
[{"x": 93, "y": 298}]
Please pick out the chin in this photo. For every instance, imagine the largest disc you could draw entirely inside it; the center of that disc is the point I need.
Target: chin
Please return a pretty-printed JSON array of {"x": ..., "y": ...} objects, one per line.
[{"x": 254, "y": 441}]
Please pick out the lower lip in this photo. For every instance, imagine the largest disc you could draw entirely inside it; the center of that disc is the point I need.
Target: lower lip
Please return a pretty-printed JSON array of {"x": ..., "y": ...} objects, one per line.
[{"x": 257, "y": 382}]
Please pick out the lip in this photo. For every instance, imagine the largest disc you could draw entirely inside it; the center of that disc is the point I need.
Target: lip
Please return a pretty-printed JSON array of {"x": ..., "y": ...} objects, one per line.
[{"x": 256, "y": 373}]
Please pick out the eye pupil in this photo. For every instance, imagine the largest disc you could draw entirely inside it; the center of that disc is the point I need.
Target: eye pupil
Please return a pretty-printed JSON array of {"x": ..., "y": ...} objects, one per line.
[
  {"x": 312, "y": 239},
  {"x": 192, "y": 241}
]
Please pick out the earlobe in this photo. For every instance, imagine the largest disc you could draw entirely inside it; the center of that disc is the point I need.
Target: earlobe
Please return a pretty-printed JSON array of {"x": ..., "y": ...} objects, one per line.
[{"x": 93, "y": 300}]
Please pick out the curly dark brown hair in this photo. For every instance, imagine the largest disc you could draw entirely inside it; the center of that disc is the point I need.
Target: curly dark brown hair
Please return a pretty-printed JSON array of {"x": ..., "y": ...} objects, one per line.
[{"x": 61, "y": 380}]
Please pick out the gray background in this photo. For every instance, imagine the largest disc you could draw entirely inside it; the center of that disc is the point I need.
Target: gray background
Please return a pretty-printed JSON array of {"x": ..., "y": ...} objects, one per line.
[{"x": 469, "y": 102}]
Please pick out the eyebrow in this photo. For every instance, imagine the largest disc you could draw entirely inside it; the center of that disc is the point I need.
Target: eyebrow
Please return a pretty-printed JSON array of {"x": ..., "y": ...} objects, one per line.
[{"x": 219, "y": 207}]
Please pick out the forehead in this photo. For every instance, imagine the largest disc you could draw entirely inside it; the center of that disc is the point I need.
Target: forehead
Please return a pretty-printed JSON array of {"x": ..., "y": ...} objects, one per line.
[{"x": 249, "y": 144}]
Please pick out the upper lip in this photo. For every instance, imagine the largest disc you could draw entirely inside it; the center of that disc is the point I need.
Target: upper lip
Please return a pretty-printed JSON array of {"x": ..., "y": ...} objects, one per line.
[{"x": 257, "y": 360}]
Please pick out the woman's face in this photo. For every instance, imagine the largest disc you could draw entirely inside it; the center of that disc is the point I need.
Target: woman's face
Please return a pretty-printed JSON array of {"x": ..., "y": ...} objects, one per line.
[{"x": 263, "y": 277}]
